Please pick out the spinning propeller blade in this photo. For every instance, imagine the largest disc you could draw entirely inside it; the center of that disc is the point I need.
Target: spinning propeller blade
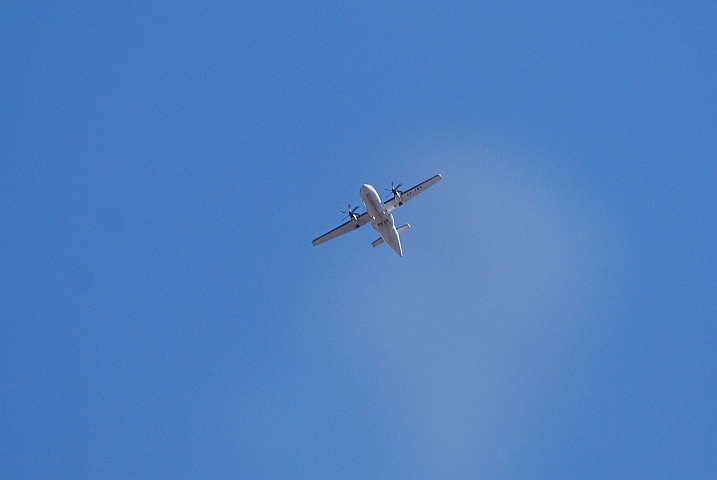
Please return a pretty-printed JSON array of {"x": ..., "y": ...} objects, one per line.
[
  {"x": 394, "y": 190},
  {"x": 351, "y": 212}
]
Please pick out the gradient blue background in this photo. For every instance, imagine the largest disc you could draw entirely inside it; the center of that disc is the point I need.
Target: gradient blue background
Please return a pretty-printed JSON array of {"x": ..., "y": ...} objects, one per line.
[{"x": 163, "y": 169}]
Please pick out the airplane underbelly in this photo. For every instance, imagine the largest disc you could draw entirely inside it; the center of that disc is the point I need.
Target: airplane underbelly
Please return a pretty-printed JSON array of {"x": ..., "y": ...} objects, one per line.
[
  {"x": 373, "y": 202},
  {"x": 383, "y": 223},
  {"x": 390, "y": 235}
]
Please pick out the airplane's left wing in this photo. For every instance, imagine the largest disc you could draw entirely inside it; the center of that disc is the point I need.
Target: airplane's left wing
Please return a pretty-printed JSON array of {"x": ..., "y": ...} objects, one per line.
[
  {"x": 360, "y": 221},
  {"x": 394, "y": 203}
]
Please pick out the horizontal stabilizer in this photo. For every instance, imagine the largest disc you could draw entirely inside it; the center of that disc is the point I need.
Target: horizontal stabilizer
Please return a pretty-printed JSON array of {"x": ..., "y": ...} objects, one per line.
[
  {"x": 400, "y": 230},
  {"x": 404, "y": 228}
]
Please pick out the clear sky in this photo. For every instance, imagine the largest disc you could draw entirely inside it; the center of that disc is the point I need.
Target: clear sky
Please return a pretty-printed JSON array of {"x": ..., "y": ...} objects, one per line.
[{"x": 165, "y": 166}]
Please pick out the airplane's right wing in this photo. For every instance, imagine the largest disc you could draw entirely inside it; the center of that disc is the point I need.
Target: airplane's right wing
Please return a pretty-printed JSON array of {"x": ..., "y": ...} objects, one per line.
[
  {"x": 360, "y": 221},
  {"x": 394, "y": 203}
]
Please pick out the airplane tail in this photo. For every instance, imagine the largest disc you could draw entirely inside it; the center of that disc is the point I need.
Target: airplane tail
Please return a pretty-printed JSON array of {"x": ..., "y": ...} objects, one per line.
[{"x": 400, "y": 230}]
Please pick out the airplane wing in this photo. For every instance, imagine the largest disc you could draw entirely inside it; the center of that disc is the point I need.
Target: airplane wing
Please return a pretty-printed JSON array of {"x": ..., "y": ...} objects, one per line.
[
  {"x": 394, "y": 203},
  {"x": 360, "y": 221}
]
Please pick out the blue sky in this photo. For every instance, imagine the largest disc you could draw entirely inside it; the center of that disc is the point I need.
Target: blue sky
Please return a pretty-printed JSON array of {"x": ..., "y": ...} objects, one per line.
[{"x": 165, "y": 167}]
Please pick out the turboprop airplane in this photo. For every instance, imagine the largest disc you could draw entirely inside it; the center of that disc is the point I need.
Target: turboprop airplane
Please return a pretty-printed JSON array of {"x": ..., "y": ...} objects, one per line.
[{"x": 379, "y": 214}]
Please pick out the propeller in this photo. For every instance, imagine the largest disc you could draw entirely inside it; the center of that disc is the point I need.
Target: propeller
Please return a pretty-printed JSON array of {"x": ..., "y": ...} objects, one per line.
[
  {"x": 351, "y": 213},
  {"x": 395, "y": 192}
]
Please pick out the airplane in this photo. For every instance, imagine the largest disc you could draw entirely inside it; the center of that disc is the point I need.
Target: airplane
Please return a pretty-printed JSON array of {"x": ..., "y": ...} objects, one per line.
[{"x": 379, "y": 214}]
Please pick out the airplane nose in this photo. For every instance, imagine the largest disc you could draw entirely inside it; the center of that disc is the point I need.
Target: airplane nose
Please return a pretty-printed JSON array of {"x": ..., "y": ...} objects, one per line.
[{"x": 365, "y": 188}]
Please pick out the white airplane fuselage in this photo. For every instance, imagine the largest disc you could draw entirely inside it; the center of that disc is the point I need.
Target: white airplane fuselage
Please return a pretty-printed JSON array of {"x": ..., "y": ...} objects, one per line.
[{"x": 381, "y": 220}]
